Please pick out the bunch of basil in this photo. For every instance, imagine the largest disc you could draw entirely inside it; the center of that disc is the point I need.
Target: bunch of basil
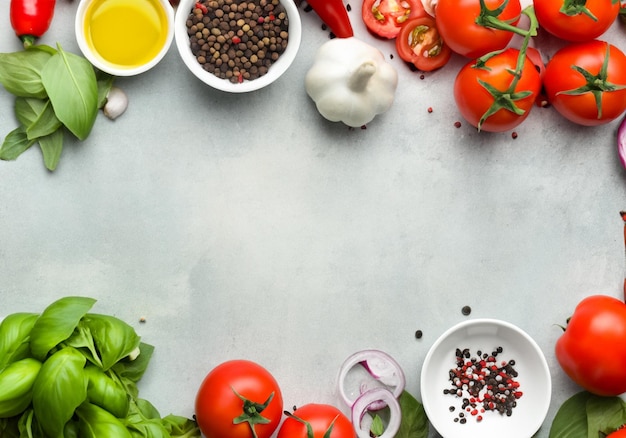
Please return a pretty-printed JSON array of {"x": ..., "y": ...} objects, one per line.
[
  {"x": 68, "y": 373},
  {"x": 56, "y": 91},
  {"x": 585, "y": 415}
]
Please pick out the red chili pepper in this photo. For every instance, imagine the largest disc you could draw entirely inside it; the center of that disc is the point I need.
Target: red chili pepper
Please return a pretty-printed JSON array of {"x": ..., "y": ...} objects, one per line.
[
  {"x": 335, "y": 15},
  {"x": 31, "y": 18}
]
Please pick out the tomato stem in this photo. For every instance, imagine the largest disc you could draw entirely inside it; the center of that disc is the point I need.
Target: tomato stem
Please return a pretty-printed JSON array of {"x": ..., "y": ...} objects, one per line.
[
  {"x": 577, "y": 7},
  {"x": 309, "y": 428},
  {"x": 489, "y": 18},
  {"x": 252, "y": 412}
]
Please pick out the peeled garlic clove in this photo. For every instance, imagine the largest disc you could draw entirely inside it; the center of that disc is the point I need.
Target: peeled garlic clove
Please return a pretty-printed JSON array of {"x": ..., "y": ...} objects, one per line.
[{"x": 116, "y": 104}]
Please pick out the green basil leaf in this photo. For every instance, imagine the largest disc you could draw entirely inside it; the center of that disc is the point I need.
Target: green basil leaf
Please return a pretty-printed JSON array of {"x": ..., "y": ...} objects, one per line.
[
  {"x": 133, "y": 370},
  {"x": 15, "y": 143},
  {"x": 14, "y": 335},
  {"x": 144, "y": 420},
  {"x": 82, "y": 340},
  {"x": 114, "y": 339},
  {"x": 181, "y": 427},
  {"x": 59, "y": 389},
  {"x": 51, "y": 146},
  {"x": 37, "y": 116},
  {"x": 604, "y": 414},
  {"x": 70, "y": 82},
  {"x": 377, "y": 428},
  {"x": 20, "y": 72},
  {"x": 105, "y": 82},
  {"x": 414, "y": 422},
  {"x": 106, "y": 392},
  {"x": 570, "y": 420},
  {"x": 29, "y": 426},
  {"x": 95, "y": 422},
  {"x": 56, "y": 324}
]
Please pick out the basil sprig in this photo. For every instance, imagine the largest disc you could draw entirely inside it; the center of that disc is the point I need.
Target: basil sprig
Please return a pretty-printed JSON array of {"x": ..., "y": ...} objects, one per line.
[
  {"x": 67, "y": 372},
  {"x": 56, "y": 92}
]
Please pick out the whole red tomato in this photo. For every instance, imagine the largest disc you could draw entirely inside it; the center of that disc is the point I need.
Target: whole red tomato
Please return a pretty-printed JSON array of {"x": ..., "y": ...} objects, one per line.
[
  {"x": 320, "y": 418},
  {"x": 592, "y": 351},
  {"x": 420, "y": 44},
  {"x": 487, "y": 96},
  {"x": 576, "y": 21},
  {"x": 585, "y": 82},
  {"x": 459, "y": 23},
  {"x": 237, "y": 396}
]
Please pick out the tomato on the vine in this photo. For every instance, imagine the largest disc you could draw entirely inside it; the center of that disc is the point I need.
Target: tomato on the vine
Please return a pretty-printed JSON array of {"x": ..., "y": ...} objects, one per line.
[
  {"x": 384, "y": 18},
  {"x": 574, "y": 20},
  {"x": 419, "y": 43},
  {"x": 236, "y": 397},
  {"x": 321, "y": 419},
  {"x": 592, "y": 351},
  {"x": 466, "y": 26},
  {"x": 586, "y": 82},
  {"x": 491, "y": 97}
]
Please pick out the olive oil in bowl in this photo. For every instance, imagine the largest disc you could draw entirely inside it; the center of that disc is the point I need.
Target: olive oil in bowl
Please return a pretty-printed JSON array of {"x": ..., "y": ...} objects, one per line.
[{"x": 124, "y": 37}]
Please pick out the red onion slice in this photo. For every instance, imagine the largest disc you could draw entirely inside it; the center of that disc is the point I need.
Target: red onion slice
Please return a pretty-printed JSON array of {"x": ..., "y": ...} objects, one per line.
[
  {"x": 621, "y": 142},
  {"x": 363, "y": 404},
  {"x": 384, "y": 372}
]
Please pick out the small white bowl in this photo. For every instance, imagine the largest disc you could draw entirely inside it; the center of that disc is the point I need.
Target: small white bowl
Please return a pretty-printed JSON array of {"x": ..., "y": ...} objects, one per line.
[
  {"x": 275, "y": 70},
  {"x": 117, "y": 69},
  {"x": 486, "y": 335}
]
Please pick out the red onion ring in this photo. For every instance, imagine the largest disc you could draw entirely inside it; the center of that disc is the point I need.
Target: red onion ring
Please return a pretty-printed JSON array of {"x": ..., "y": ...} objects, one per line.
[
  {"x": 364, "y": 403},
  {"x": 383, "y": 369},
  {"x": 621, "y": 142}
]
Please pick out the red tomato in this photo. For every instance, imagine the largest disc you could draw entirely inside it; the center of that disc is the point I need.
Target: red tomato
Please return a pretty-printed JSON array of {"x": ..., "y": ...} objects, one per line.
[
  {"x": 419, "y": 43},
  {"x": 576, "y": 21},
  {"x": 592, "y": 351},
  {"x": 619, "y": 433},
  {"x": 458, "y": 22},
  {"x": 598, "y": 99},
  {"x": 231, "y": 399},
  {"x": 384, "y": 18},
  {"x": 320, "y": 417},
  {"x": 475, "y": 101}
]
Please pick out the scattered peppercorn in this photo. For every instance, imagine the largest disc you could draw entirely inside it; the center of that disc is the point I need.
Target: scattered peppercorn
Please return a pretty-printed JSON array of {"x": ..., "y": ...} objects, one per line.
[
  {"x": 238, "y": 40},
  {"x": 514, "y": 135},
  {"x": 430, "y": 109},
  {"x": 457, "y": 124},
  {"x": 418, "y": 334},
  {"x": 466, "y": 310}
]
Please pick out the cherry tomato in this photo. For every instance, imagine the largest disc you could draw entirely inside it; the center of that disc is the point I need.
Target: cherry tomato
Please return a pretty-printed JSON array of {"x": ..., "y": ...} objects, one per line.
[
  {"x": 476, "y": 102},
  {"x": 419, "y": 43},
  {"x": 582, "y": 82},
  {"x": 320, "y": 417},
  {"x": 619, "y": 433},
  {"x": 237, "y": 396},
  {"x": 31, "y": 18},
  {"x": 334, "y": 14},
  {"x": 459, "y": 23},
  {"x": 384, "y": 18},
  {"x": 592, "y": 351},
  {"x": 576, "y": 20}
]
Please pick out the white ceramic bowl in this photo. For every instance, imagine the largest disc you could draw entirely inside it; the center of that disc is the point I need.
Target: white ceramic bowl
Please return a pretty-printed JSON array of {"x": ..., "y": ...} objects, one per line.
[
  {"x": 116, "y": 69},
  {"x": 275, "y": 71},
  {"x": 486, "y": 335}
]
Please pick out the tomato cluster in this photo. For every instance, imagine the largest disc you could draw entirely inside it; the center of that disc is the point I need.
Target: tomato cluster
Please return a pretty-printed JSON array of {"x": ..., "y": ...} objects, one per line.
[
  {"x": 584, "y": 81},
  {"x": 241, "y": 399}
]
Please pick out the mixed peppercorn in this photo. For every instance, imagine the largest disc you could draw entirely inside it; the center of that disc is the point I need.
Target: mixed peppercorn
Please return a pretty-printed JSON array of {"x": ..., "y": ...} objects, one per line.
[
  {"x": 238, "y": 40},
  {"x": 483, "y": 383}
]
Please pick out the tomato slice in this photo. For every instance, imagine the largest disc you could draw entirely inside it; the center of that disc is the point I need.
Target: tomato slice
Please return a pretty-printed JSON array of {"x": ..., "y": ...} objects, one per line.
[
  {"x": 384, "y": 18},
  {"x": 419, "y": 43}
]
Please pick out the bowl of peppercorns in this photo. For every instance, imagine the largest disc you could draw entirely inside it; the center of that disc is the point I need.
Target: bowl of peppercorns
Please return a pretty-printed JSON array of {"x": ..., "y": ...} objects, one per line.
[
  {"x": 238, "y": 46},
  {"x": 485, "y": 377}
]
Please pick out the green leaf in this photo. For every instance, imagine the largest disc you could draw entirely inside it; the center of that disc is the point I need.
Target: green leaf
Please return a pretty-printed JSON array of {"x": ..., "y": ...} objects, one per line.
[
  {"x": 570, "y": 420},
  {"x": 20, "y": 72},
  {"x": 114, "y": 339},
  {"x": 604, "y": 414},
  {"x": 15, "y": 143},
  {"x": 181, "y": 427},
  {"x": 95, "y": 422},
  {"x": 143, "y": 420},
  {"x": 133, "y": 370},
  {"x": 14, "y": 335},
  {"x": 414, "y": 422},
  {"x": 70, "y": 82},
  {"x": 105, "y": 82},
  {"x": 37, "y": 116},
  {"x": 56, "y": 324},
  {"x": 59, "y": 389},
  {"x": 106, "y": 392},
  {"x": 377, "y": 428},
  {"x": 82, "y": 340},
  {"x": 51, "y": 146}
]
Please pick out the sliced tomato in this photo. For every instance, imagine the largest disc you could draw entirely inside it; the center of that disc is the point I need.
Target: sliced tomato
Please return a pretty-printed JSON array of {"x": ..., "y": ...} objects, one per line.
[
  {"x": 384, "y": 18},
  {"x": 419, "y": 43}
]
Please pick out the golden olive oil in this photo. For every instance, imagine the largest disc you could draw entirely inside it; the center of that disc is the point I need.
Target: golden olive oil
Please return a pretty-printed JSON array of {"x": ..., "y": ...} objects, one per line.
[{"x": 126, "y": 33}]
